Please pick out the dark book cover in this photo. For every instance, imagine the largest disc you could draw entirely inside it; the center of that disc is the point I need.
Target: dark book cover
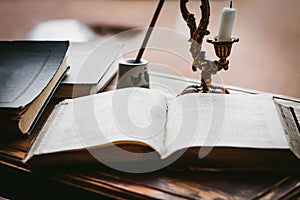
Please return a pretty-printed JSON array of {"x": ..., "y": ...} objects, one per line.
[
  {"x": 26, "y": 68},
  {"x": 30, "y": 73}
]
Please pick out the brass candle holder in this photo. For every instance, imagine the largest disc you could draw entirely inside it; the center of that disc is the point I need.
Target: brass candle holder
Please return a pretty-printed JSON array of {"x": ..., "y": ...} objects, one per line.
[{"x": 222, "y": 49}]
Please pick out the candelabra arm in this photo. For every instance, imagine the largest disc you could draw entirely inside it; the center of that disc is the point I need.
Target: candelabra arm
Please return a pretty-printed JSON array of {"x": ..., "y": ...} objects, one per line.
[
  {"x": 201, "y": 30},
  {"x": 188, "y": 17},
  {"x": 196, "y": 33}
]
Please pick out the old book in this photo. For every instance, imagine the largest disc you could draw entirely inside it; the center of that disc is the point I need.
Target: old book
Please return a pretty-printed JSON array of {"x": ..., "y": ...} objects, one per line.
[
  {"x": 208, "y": 130},
  {"x": 93, "y": 65},
  {"x": 30, "y": 72}
]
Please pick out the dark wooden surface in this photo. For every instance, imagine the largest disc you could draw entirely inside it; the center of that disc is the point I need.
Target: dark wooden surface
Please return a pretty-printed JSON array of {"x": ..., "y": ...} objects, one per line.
[{"x": 17, "y": 181}]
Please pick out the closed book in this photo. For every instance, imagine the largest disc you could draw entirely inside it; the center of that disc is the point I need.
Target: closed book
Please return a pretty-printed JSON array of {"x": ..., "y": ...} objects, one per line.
[
  {"x": 93, "y": 65},
  {"x": 30, "y": 72}
]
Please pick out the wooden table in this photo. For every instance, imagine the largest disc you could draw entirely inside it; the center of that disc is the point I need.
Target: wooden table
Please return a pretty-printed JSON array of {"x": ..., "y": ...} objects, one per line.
[{"x": 17, "y": 181}]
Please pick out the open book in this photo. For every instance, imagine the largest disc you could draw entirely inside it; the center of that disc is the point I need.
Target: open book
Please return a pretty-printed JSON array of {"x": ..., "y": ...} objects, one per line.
[{"x": 215, "y": 128}]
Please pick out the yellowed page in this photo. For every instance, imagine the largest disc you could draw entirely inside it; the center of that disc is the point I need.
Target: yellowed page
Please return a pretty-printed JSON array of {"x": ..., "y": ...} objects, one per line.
[
  {"x": 132, "y": 114},
  {"x": 235, "y": 120}
]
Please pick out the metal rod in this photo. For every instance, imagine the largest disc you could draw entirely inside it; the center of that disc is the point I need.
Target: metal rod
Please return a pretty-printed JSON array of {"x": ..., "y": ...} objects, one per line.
[{"x": 149, "y": 31}]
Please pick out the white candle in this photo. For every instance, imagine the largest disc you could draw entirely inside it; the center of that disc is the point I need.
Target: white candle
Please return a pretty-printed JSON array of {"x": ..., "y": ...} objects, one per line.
[{"x": 226, "y": 25}]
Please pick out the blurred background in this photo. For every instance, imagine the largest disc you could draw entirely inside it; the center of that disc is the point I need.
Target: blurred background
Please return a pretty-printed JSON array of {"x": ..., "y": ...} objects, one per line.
[{"x": 266, "y": 58}]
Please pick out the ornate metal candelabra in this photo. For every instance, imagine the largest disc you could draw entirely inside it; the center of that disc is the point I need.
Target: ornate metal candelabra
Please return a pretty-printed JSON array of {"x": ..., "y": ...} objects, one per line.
[{"x": 222, "y": 50}]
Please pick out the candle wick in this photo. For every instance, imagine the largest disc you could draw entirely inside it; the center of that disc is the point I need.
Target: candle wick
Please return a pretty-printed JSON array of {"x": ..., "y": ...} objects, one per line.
[{"x": 230, "y": 4}]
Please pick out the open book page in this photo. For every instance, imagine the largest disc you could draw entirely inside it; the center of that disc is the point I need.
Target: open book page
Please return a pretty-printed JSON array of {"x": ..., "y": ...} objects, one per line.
[
  {"x": 235, "y": 120},
  {"x": 291, "y": 127},
  {"x": 132, "y": 114}
]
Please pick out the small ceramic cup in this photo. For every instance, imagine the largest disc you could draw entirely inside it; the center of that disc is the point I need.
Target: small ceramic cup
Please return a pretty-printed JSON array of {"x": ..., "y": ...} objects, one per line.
[{"x": 131, "y": 74}]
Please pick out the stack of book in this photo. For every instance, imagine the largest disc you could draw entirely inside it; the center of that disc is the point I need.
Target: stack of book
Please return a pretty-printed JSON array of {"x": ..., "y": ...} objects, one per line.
[
  {"x": 30, "y": 73},
  {"x": 33, "y": 71}
]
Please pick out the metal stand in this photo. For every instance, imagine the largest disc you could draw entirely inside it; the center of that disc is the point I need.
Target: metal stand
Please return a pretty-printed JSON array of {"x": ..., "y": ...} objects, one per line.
[{"x": 222, "y": 49}]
